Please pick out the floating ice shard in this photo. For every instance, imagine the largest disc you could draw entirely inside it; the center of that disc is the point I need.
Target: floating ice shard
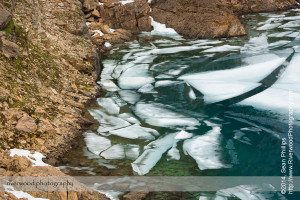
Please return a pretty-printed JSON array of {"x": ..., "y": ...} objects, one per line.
[
  {"x": 173, "y": 153},
  {"x": 109, "y": 85},
  {"x": 114, "y": 153},
  {"x": 268, "y": 26},
  {"x": 250, "y": 192},
  {"x": 107, "y": 123},
  {"x": 136, "y": 132},
  {"x": 132, "y": 151},
  {"x": 129, "y": 96},
  {"x": 135, "y": 77},
  {"x": 165, "y": 83},
  {"x": 96, "y": 143},
  {"x": 183, "y": 135},
  {"x": 223, "y": 84},
  {"x": 148, "y": 89},
  {"x": 205, "y": 149},
  {"x": 291, "y": 24},
  {"x": 152, "y": 154},
  {"x": 130, "y": 118},
  {"x": 157, "y": 115},
  {"x": 222, "y": 48},
  {"x": 279, "y": 94},
  {"x": 109, "y": 105}
]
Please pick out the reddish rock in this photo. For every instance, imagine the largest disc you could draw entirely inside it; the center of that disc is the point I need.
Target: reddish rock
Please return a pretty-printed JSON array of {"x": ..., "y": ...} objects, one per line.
[
  {"x": 197, "y": 19},
  {"x": 131, "y": 16},
  {"x": 9, "y": 49},
  {"x": 26, "y": 124},
  {"x": 5, "y": 16}
]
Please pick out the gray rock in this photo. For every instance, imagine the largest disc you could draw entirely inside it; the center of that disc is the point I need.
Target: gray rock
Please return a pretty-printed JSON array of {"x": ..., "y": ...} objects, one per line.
[{"x": 5, "y": 16}]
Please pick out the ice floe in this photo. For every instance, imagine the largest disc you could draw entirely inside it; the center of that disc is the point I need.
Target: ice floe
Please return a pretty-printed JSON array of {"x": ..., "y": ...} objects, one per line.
[
  {"x": 96, "y": 143},
  {"x": 129, "y": 96},
  {"x": 152, "y": 154},
  {"x": 222, "y": 48},
  {"x": 114, "y": 152},
  {"x": 173, "y": 153},
  {"x": 109, "y": 105},
  {"x": 223, "y": 84},
  {"x": 147, "y": 89},
  {"x": 183, "y": 135},
  {"x": 36, "y": 158},
  {"x": 109, "y": 85},
  {"x": 130, "y": 118},
  {"x": 205, "y": 150},
  {"x": 268, "y": 26},
  {"x": 136, "y": 132}
]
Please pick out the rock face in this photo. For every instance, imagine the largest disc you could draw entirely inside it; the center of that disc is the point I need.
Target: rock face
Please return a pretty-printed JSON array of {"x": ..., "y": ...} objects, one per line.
[
  {"x": 131, "y": 16},
  {"x": 197, "y": 19},
  {"x": 5, "y": 16},
  {"x": 250, "y": 6}
]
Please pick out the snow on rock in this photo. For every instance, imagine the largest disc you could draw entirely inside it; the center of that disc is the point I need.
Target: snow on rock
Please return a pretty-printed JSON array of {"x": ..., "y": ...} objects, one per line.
[
  {"x": 109, "y": 105},
  {"x": 204, "y": 149},
  {"x": 161, "y": 28},
  {"x": 35, "y": 158},
  {"x": 96, "y": 143},
  {"x": 152, "y": 154},
  {"x": 107, "y": 44},
  {"x": 136, "y": 132},
  {"x": 20, "y": 194}
]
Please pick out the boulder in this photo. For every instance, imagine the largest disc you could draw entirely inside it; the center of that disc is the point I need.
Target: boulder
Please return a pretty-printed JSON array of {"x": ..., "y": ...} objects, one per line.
[
  {"x": 89, "y": 5},
  {"x": 131, "y": 16},
  {"x": 197, "y": 19},
  {"x": 5, "y": 16},
  {"x": 19, "y": 163},
  {"x": 26, "y": 124},
  {"x": 9, "y": 49}
]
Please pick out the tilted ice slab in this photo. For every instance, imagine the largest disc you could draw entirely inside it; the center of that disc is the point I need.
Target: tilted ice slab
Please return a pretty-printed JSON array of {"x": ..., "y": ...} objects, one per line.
[
  {"x": 109, "y": 105},
  {"x": 136, "y": 132},
  {"x": 155, "y": 114},
  {"x": 120, "y": 151},
  {"x": 107, "y": 122},
  {"x": 130, "y": 118},
  {"x": 35, "y": 158},
  {"x": 129, "y": 96},
  {"x": 278, "y": 97},
  {"x": 222, "y": 48},
  {"x": 135, "y": 77},
  {"x": 268, "y": 26},
  {"x": 205, "y": 149},
  {"x": 152, "y": 154},
  {"x": 147, "y": 89},
  {"x": 109, "y": 85},
  {"x": 249, "y": 192},
  {"x": 223, "y": 84},
  {"x": 96, "y": 143}
]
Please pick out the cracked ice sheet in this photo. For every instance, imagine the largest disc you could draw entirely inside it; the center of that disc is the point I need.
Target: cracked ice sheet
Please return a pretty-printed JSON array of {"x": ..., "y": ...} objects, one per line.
[
  {"x": 223, "y": 84},
  {"x": 249, "y": 192},
  {"x": 276, "y": 98},
  {"x": 152, "y": 154},
  {"x": 35, "y": 158},
  {"x": 109, "y": 105},
  {"x": 96, "y": 143},
  {"x": 135, "y": 77},
  {"x": 136, "y": 132},
  {"x": 155, "y": 114},
  {"x": 107, "y": 123},
  {"x": 205, "y": 150},
  {"x": 120, "y": 151}
]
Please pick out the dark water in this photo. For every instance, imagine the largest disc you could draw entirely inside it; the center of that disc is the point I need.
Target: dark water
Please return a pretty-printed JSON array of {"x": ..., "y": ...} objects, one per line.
[{"x": 177, "y": 107}]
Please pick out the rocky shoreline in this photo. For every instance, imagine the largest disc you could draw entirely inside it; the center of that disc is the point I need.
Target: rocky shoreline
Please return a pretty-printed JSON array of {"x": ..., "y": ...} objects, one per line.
[{"x": 50, "y": 58}]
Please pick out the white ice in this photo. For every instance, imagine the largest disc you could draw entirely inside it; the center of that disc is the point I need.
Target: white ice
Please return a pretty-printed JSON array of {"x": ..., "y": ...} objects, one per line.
[
  {"x": 205, "y": 149},
  {"x": 113, "y": 153},
  {"x": 135, "y": 77},
  {"x": 291, "y": 24},
  {"x": 173, "y": 153},
  {"x": 152, "y": 154},
  {"x": 35, "y": 158},
  {"x": 161, "y": 28},
  {"x": 109, "y": 85},
  {"x": 136, "y": 132},
  {"x": 107, "y": 44},
  {"x": 147, "y": 89},
  {"x": 129, "y": 96},
  {"x": 223, "y": 84},
  {"x": 268, "y": 26},
  {"x": 109, "y": 105},
  {"x": 173, "y": 122},
  {"x": 164, "y": 83},
  {"x": 96, "y": 143},
  {"x": 222, "y": 48},
  {"x": 132, "y": 151},
  {"x": 20, "y": 194},
  {"x": 130, "y": 118},
  {"x": 183, "y": 135},
  {"x": 107, "y": 123},
  {"x": 276, "y": 98}
]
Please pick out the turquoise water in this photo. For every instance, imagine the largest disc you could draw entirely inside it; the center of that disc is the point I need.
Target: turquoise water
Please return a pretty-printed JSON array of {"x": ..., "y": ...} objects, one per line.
[{"x": 177, "y": 107}]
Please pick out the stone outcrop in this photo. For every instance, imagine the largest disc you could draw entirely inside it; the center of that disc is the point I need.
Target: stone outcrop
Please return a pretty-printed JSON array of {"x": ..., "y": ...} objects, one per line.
[
  {"x": 9, "y": 49},
  {"x": 197, "y": 19},
  {"x": 250, "y": 6},
  {"x": 5, "y": 16}
]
